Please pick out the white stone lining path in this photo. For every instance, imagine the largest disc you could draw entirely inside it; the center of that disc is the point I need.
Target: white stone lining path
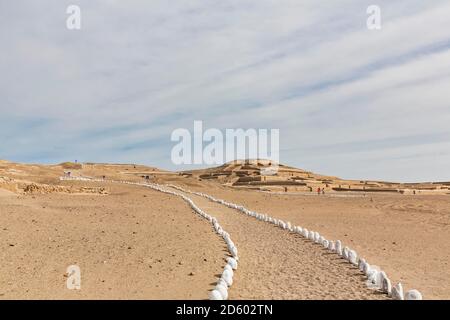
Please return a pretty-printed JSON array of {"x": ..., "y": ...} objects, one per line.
[
  {"x": 220, "y": 292},
  {"x": 376, "y": 278}
]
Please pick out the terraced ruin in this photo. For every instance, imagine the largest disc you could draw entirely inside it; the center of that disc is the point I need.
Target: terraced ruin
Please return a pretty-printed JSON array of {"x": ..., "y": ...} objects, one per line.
[{"x": 260, "y": 175}]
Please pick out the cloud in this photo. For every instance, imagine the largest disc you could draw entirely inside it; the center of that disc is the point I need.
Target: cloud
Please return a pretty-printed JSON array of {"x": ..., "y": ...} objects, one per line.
[{"x": 349, "y": 102}]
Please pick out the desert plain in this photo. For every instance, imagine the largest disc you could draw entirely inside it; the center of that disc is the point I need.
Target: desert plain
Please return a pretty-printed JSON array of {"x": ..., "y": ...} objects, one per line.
[{"x": 132, "y": 242}]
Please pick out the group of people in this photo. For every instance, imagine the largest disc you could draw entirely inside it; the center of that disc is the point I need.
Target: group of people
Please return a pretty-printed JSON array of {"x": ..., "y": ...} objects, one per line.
[{"x": 320, "y": 191}]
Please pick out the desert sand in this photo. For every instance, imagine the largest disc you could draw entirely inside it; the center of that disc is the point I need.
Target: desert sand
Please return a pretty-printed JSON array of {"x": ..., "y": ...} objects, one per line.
[{"x": 132, "y": 242}]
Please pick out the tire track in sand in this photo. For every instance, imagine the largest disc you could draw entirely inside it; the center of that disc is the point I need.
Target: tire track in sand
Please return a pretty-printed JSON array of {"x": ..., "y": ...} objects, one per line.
[{"x": 275, "y": 264}]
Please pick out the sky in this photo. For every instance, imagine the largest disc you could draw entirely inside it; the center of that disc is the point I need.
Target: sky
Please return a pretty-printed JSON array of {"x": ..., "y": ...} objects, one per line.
[{"x": 349, "y": 101}]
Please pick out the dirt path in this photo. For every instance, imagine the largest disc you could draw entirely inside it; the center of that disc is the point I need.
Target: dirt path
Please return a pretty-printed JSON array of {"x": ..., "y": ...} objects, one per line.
[
  {"x": 142, "y": 244},
  {"x": 402, "y": 234},
  {"x": 275, "y": 264}
]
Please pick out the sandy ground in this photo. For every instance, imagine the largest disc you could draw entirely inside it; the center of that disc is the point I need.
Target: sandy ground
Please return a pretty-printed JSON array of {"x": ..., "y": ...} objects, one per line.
[
  {"x": 406, "y": 236},
  {"x": 137, "y": 243},
  {"x": 275, "y": 264},
  {"x": 131, "y": 244}
]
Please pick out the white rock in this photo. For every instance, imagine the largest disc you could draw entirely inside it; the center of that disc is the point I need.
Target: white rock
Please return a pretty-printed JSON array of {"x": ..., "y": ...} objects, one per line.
[
  {"x": 361, "y": 264},
  {"x": 331, "y": 246},
  {"x": 223, "y": 290},
  {"x": 413, "y": 295},
  {"x": 227, "y": 277},
  {"x": 397, "y": 292},
  {"x": 353, "y": 257},
  {"x": 234, "y": 253},
  {"x": 385, "y": 283},
  {"x": 233, "y": 263},
  {"x": 345, "y": 253},
  {"x": 316, "y": 237},
  {"x": 306, "y": 233},
  {"x": 338, "y": 247},
  {"x": 222, "y": 282},
  {"x": 367, "y": 269},
  {"x": 228, "y": 267},
  {"x": 373, "y": 276},
  {"x": 215, "y": 295}
]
